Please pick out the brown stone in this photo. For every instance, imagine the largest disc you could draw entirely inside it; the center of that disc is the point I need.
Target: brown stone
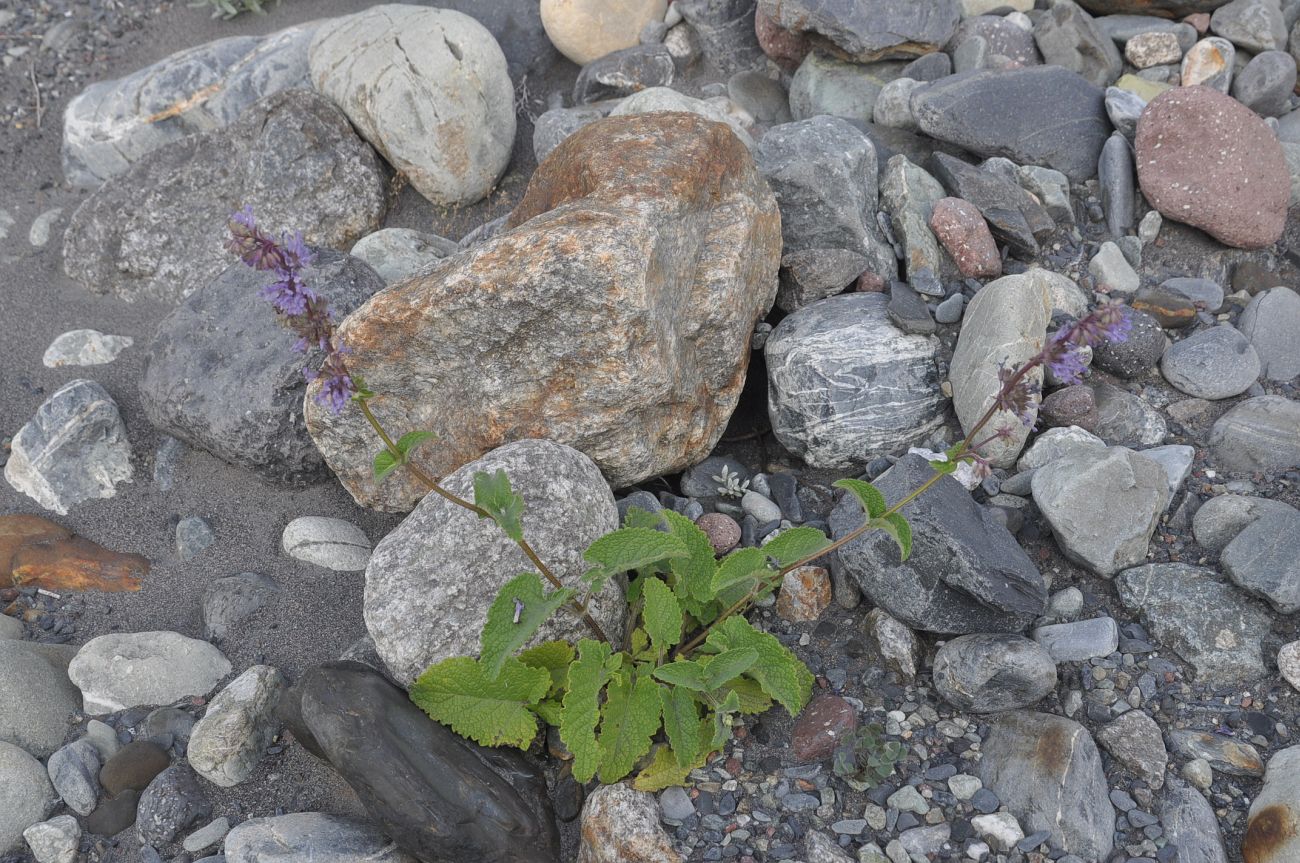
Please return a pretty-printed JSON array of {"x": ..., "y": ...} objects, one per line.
[
  {"x": 133, "y": 767},
  {"x": 1070, "y": 406},
  {"x": 786, "y": 48},
  {"x": 76, "y": 563},
  {"x": 821, "y": 726},
  {"x": 1199, "y": 20},
  {"x": 1206, "y": 160},
  {"x": 114, "y": 815},
  {"x": 1169, "y": 307},
  {"x": 805, "y": 593},
  {"x": 1254, "y": 278},
  {"x": 721, "y": 529},
  {"x": 18, "y": 530},
  {"x": 869, "y": 283},
  {"x": 964, "y": 233},
  {"x": 613, "y": 314}
]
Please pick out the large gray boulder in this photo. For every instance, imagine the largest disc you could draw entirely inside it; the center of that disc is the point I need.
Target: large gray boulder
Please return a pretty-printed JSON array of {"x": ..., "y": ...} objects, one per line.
[
  {"x": 36, "y": 697},
  {"x": 444, "y": 116},
  {"x": 157, "y": 229},
  {"x": 132, "y": 669},
  {"x": 966, "y": 574},
  {"x": 311, "y": 836},
  {"x": 430, "y": 582},
  {"x": 867, "y": 30},
  {"x": 222, "y": 374},
  {"x": 1272, "y": 324},
  {"x": 1270, "y": 836},
  {"x": 1047, "y": 772},
  {"x": 26, "y": 796},
  {"x": 1190, "y": 824},
  {"x": 1259, "y": 434},
  {"x": 817, "y": 361}
]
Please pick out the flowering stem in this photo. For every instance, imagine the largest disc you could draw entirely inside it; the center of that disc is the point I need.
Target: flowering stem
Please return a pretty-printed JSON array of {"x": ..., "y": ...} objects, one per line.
[{"x": 436, "y": 487}]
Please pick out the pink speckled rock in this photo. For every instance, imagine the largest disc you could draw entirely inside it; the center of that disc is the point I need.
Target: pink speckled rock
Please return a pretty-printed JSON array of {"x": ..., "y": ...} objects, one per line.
[{"x": 964, "y": 233}]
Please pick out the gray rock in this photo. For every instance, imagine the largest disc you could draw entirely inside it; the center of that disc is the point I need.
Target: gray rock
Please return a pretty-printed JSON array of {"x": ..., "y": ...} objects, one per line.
[
  {"x": 966, "y": 574},
  {"x": 122, "y": 670},
  {"x": 764, "y": 98},
  {"x": 310, "y": 836},
  {"x": 1222, "y": 752},
  {"x": 1124, "y": 419},
  {"x": 1118, "y": 192},
  {"x": 1124, "y": 107},
  {"x": 1057, "y": 443},
  {"x": 395, "y": 253},
  {"x": 867, "y": 30},
  {"x": 1255, "y": 25},
  {"x": 156, "y": 231},
  {"x": 1264, "y": 559},
  {"x": 1122, "y": 28},
  {"x": 1205, "y": 293},
  {"x": 1272, "y": 324},
  {"x": 1002, "y": 37},
  {"x": 1079, "y": 641},
  {"x": 988, "y": 673},
  {"x": 73, "y": 450},
  {"x": 621, "y": 824},
  {"x": 1274, "y": 806},
  {"x": 1040, "y": 115},
  {"x": 1215, "y": 363},
  {"x": 950, "y": 310},
  {"x": 675, "y": 804},
  {"x": 1221, "y": 518},
  {"x": 893, "y": 106},
  {"x": 1111, "y": 271},
  {"x": 908, "y": 312},
  {"x": 814, "y": 274},
  {"x": 517, "y": 27},
  {"x": 654, "y": 100},
  {"x": 1171, "y": 598},
  {"x": 36, "y": 698},
  {"x": 1265, "y": 85},
  {"x": 430, "y": 582},
  {"x": 206, "y": 836},
  {"x": 898, "y": 645},
  {"x": 1014, "y": 216},
  {"x": 1134, "y": 740},
  {"x": 698, "y": 480},
  {"x": 1067, "y": 36},
  {"x": 1176, "y": 459},
  {"x": 908, "y": 194},
  {"x": 1140, "y": 350},
  {"x": 193, "y": 535},
  {"x": 445, "y": 116},
  {"x": 1190, "y": 825},
  {"x": 113, "y": 124},
  {"x": 25, "y": 795},
  {"x": 84, "y": 348},
  {"x": 234, "y": 598},
  {"x": 726, "y": 33},
  {"x": 11, "y": 628},
  {"x": 329, "y": 542},
  {"x": 1006, "y": 323},
  {"x": 228, "y": 741},
  {"x": 1259, "y": 434},
  {"x": 555, "y": 125},
  {"x": 624, "y": 72},
  {"x": 74, "y": 773},
  {"x": 1103, "y": 508},
  {"x": 102, "y": 736},
  {"x": 827, "y": 85},
  {"x": 54, "y": 841},
  {"x": 1048, "y": 773},
  {"x": 928, "y": 67},
  {"x": 817, "y": 361},
  {"x": 173, "y": 802}
]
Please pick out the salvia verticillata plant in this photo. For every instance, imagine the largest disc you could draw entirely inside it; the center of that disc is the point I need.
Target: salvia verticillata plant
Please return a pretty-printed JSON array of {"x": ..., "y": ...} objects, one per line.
[
  {"x": 693, "y": 664},
  {"x": 866, "y": 758},
  {"x": 227, "y": 9}
]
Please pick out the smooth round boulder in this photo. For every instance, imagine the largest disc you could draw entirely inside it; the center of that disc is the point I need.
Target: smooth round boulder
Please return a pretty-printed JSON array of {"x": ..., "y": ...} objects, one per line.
[
  {"x": 1217, "y": 363},
  {"x": 988, "y": 672},
  {"x": 26, "y": 795},
  {"x": 36, "y": 698},
  {"x": 585, "y": 30},
  {"x": 122, "y": 670}
]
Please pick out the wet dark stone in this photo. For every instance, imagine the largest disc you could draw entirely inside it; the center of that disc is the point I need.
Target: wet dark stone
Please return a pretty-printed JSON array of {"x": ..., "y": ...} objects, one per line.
[
  {"x": 113, "y": 816},
  {"x": 133, "y": 767}
]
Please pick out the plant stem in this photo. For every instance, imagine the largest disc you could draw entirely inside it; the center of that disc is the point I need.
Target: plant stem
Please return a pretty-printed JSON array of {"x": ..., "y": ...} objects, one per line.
[{"x": 436, "y": 487}]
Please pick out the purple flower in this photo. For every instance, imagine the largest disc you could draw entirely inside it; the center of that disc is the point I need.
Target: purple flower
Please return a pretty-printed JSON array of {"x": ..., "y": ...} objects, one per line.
[
  {"x": 1064, "y": 358},
  {"x": 1017, "y": 395}
]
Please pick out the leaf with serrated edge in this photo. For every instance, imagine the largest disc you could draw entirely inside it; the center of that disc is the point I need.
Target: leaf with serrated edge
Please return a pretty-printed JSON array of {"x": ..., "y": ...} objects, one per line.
[
  {"x": 493, "y": 494},
  {"x": 631, "y": 548},
  {"x": 694, "y": 573},
  {"x": 502, "y": 633},
  {"x": 555, "y": 657},
  {"x": 873, "y": 502},
  {"x": 662, "y": 772},
  {"x": 681, "y": 722},
  {"x": 458, "y": 693},
  {"x": 683, "y": 672},
  {"x": 581, "y": 714},
  {"x": 662, "y": 614},
  {"x": 385, "y": 464},
  {"x": 550, "y": 710},
  {"x": 753, "y": 700},
  {"x": 778, "y": 671},
  {"x": 638, "y": 517},
  {"x": 411, "y": 440},
  {"x": 740, "y": 567},
  {"x": 727, "y": 665},
  {"x": 897, "y": 527},
  {"x": 796, "y": 544},
  {"x": 628, "y": 721}
]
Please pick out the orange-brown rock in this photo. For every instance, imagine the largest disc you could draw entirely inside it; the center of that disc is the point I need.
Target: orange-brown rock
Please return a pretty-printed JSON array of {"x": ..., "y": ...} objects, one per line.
[
  {"x": 613, "y": 314},
  {"x": 18, "y": 530},
  {"x": 805, "y": 593},
  {"x": 36, "y": 552}
]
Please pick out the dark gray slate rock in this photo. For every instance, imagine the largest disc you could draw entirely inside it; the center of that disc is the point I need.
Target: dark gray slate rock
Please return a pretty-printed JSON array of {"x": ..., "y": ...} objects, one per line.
[
  {"x": 818, "y": 362},
  {"x": 725, "y": 29},
  {"x": 814, "y": 274},
  {"x": 1001, "y": 37},
  {"x": 73, "y": 450},
  {"x": 1067, "y": 36},
  {"x": 1264, "y": 559},
  {"x": 111, "y": 125},
  {"x": 1118, "y": 193},
  {"x": 908, "y": 311},
  {"x": 222, "y": 375},
  {"x": 990, "y": 672},
  {"x": 929, "y": 67},
  {"x": 312, "y": 836},
  {"x": 173, "y": 802},
  {"x": 1272, "y": 324},
  {"x": 1135, "y": 740},
  {"x": 157, "y": 230},
  {"x": 439, "y": 796},
  {"x": 1190, "y": 824},
  {"x": 1041, "y": 115},
  {"x": 1205, "y": 293},
  {"x": 1259, "y": 434},
  {"x": 1014, "y": 217},
  {"x": 1215, "y": 363},
  {"x": 823, "y": 172},
  {"x": 1079, "y": 640},
  {"x": 1122, "y": 28},
  {"x": 866, "y": 30},
  {"x": 230, "y": 600},
  {"x": 966, "y": 573},
  {"x": 1124, "y": 108},
  {"x": 828, "y": 85},
  {"x": 74, "y": 773},
  {"x": 555, "y": 125},
  {"x": 1047, "y": 772},
  {"x": 1265, "y": 85},
  {"x": 1172, "y": 598},
  {"x": 1256, "y": 25},
  {"x": 1138, "y": 353},
  {"x": 623, "y": 73}
]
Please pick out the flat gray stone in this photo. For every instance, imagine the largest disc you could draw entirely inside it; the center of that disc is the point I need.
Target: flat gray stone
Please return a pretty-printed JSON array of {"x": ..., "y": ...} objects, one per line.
[
  {"x": 55, "y": 841},
  {"x": 908, "y": 193},
  {"x": 1266, "y": 84},
  {"x": 206, "y": 836},
  {"x": 329, "y": 542},
  {"x": 1259, "y": 434},
  {"x": 1067, "y": 36},
  {"x": 124, "y": 670},
  {"x": 988, "y": 673},
  {"x": 1256, "y": 25},
  {"x": 1218, "y": 521},
  {"x": 1271, "y": 322},
  {"x": 234, "y": 598},
  {"x": 1176, "y": 459},
  {"x": 1189, "y": 822},
  {"x": 1216, "y": 363},
  {"x": 74, "y": 773},
  {"x": 311, "y": 836},
  {"x": 1057, "y": 443},
  {"x": 828, "y": 85},
  {"x": 84, "y": 348},
  {"x": 226, "y": 744},
  {"x": 1079, "y": 641},
  {"x": 395, "y": 253},
  {"x": 866, "y": 30},
  {"x": 1264, "y": 559},
  {"x": 1135, "y": 740},
  {"x": 1124, "y": 419},
  {"x": 173, "y": 802}
]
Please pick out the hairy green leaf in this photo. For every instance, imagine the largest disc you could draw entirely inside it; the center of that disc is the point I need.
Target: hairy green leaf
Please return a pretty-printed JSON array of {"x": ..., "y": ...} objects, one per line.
[
  {"x": 662, "y": 614},
  {"x": 752, "y": 699},
  {"x": 727, "y": 665},
  {"x": 521, "y": 607},
  {"x": 385, "y": 463},
  {"x": 550, "y": 710},
  {"x": 684, "y": 672},
  {"x": 694, "y": 573},
  {"x": 742, "y": 567},
  {"x": 492, "y": 711},
  {"x": 943, "y": 468},
  {"x": 555, "y": 657},
  {"x": 411, "y": 440},
  {"x": 681, "y": 723},
  {"x": 493, "y": 494},
  {"x": 638, "y": 517},
  {"x": 628, "y": 721},
  {"x": 631, "y": 548},
  {"x": 587, "y": 677},
  {"x": 778, "y": 671},
  {"x": 896, "y": 526},
  {"x": 662, "y": 772},
  {"x": 873, "y": 502},
  {"x": 796, "y": 544}
]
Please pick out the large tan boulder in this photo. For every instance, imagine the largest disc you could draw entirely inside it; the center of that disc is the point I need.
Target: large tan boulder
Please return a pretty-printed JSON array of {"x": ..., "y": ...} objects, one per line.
[{"x": 584, "y": 30}]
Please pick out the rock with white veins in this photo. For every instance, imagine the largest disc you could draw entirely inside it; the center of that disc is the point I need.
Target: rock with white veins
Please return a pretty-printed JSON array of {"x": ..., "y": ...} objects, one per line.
[
  {"x": 84, "y": 348},
  {"x": 54, "y": 841},
  {"x": 329, "y": 542},
  {"x": 227, "y": 742},
  {"x": 122, "y": 670}
]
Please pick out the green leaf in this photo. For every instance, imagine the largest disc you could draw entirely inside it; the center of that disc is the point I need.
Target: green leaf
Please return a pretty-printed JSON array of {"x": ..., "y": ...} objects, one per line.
[
  {"x": 628, "y": 721},
  {"x": 662, "y": 614},
  {"x": 662, "y": 772},
  {"x": 681, "y": 723},
  {"x": 638, "y": 517},
  {"x": 873, "y": 502},
  {"x": 521, "y": 607},
  {"x": 362, "y": 391},
  {"x": 684, "y": 672},
  {"x": 694, "y": 572},
  {"x": 943, "y": 468},
  {"x": 492, "y": 711},
  {"x": 411, "y": 440},
  {"x": 753, "y": 700},
  {"x": 385, "y": 463},
  {"x": 740, "y": 567},
  {"x": 550, "y": 710},
  {"x": 493, "y": 494},
  {"x": 778, "y": 671},
  {"x": 631, "y": 548},
  {"x": 555, "y": 657},
  {"x": 727, "y": 665},
  {"x": 578, "y": 725},
  {"x": 795, "y": 544},
  {"x": 896, "y": 526}
]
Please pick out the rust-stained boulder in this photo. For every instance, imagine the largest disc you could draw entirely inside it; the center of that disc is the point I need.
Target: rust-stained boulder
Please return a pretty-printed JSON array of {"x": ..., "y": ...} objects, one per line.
[
  {"x": 36, "y": 552},
  {"x": 613, "y": 314}
]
